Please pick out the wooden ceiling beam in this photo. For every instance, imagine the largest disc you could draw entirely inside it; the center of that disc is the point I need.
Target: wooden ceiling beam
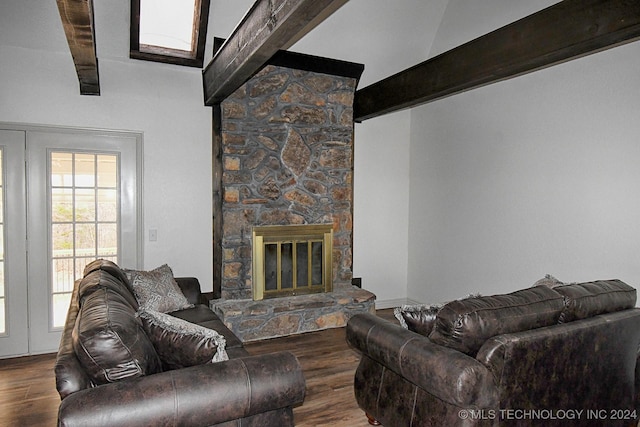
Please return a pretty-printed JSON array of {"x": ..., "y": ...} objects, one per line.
[
  {"x": 78, "y": 24},
  {"x": 270, "y": 25},
  {"x": 564, "y": 31}
]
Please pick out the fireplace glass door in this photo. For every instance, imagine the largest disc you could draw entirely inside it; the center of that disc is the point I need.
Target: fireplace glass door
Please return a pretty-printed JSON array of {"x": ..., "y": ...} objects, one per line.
[
  {"x": 293, "y": 264},
  {"x": 291, "y": 260}
]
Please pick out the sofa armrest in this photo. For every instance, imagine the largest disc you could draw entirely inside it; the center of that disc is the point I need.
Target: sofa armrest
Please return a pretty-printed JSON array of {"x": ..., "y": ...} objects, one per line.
[
  {"x": 446, "y": 373},
  {"x": 70, "y": 376},
  {"x": 195, "y": 396},
  {"x": 190, "y": 287}
]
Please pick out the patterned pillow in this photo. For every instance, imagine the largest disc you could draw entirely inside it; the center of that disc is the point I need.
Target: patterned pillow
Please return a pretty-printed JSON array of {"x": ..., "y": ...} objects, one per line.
[
  {"x": 549, "y": 281},
  {"x": 180, "y": 343},
  {"x": 157, "y": 290}
]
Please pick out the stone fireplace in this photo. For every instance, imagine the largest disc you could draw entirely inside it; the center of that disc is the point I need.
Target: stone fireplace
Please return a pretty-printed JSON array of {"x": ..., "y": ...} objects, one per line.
[{"x": 283, "y": 158}]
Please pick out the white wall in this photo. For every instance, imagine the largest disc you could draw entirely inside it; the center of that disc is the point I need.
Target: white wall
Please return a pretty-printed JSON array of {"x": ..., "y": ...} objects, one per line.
[
  {"x": 38, "y": 85},
  {"x": 381, "y": 203},
  {"x": 531, "y": 176}
]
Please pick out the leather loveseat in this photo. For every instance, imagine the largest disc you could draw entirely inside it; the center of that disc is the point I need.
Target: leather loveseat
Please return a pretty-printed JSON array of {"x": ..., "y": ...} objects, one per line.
[
  {"x": 113, "y": 370},
  {"x": 545, "y": 356}
]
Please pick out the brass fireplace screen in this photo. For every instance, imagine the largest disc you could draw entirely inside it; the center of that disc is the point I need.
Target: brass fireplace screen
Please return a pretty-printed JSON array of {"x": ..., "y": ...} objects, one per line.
[{"x": 292, "y": 260}]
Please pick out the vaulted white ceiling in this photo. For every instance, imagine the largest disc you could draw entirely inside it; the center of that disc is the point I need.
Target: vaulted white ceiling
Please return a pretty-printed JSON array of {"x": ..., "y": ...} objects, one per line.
[{"x": 386, "y": 36}]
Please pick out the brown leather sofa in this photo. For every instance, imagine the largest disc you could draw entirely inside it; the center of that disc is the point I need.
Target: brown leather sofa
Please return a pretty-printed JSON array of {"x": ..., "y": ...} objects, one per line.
[
  {"x": 542, "y": 356},
  {"x": 139, "y": 390}
]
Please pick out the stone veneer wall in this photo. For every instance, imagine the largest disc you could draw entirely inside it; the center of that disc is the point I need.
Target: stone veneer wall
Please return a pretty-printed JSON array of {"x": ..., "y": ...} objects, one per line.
[{"x": 287, "y": 158}]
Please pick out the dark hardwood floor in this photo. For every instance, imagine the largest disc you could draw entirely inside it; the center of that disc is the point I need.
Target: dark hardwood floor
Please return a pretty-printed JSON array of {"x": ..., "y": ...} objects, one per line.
[{"x": 28, "y": 395}]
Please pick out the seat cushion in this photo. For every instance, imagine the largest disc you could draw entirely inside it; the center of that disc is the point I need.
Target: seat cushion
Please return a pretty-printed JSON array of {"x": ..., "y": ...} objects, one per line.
[
  {"x": 583, "y": 300},
  {"x": 197, "y": 314},
  {"x": 181, "y": 344},
  {"x": 109, "y": 339},
  {"x": 466, "y": 324}
]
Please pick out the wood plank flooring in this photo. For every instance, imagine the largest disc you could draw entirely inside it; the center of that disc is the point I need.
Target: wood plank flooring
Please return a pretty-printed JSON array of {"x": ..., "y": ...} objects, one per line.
[{"x": 28, "y": 395}]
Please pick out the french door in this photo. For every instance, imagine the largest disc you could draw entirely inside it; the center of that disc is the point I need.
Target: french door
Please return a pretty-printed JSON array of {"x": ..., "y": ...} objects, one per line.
[
  {"x": 79, "y": 196},
  {"x": 14, "y": 338}
]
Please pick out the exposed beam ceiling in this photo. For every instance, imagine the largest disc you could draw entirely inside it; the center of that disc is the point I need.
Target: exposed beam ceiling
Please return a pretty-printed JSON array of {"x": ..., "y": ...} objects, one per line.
[
  {"x": 77, "y": 20},
  {"x": 565, "y": 31},
  {"x": 270, "y": 25}
]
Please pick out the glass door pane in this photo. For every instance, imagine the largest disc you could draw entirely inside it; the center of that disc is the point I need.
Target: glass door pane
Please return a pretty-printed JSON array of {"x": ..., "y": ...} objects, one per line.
[{"x": 84, "y": 220}]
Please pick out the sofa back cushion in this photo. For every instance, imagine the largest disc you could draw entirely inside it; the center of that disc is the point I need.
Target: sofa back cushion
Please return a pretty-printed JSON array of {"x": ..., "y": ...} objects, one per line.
[
  {"x": 583, "y": 300},
  {"x": 466, "y": 324},
  {"x": 98, "y": 279},
  {"x": 110, "y": 267},
  {"x": 109, "y": 339}
]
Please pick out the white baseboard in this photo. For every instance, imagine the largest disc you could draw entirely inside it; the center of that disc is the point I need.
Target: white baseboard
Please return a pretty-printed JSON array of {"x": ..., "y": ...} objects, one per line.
[{"x": 393, "y": 303}]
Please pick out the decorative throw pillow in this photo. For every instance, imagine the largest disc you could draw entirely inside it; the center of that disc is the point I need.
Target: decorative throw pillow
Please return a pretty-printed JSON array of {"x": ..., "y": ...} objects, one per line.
[
  {"x": 549, "y": 281},
  {"x": 180, "y": 343},
  {"x": 157, "y": 290},
  {"x": 421, "y": 318}
]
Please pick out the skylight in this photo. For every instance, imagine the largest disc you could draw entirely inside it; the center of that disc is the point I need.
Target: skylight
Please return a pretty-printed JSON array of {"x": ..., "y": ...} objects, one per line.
[
  {"x": 171, "y": 31},
  {"x": 167, "y": 23}
]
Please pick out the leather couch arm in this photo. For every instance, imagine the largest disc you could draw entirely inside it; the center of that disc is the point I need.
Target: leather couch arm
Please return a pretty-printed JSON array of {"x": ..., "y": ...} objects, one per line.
[
  {"x": 448, "y": 374},
  {"x": 190, "y": 287},
  {"x": 70, "y": 376},
  {"x": 196, "y": 396}
]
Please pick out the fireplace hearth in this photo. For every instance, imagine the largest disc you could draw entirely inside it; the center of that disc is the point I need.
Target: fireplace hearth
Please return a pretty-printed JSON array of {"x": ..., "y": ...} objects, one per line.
[
  {"x": 257, "y": 320},
  {"x": 283, "y": 159}
]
